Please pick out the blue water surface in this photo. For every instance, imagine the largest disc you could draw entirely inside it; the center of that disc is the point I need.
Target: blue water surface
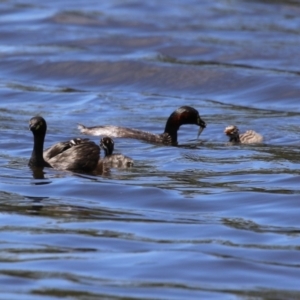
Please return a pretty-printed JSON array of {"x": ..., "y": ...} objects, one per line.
[{"x": 207, "y": 220}]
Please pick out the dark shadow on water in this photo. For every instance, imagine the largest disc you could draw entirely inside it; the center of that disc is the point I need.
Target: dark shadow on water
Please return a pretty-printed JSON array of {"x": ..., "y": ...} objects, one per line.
[
  {"x": 173, "y": 60},
  {"x": 40, "y": 88},
  {"x": 283, "y": 2},
  {"x": 248, "y": 225},
  {"x": 195, "y": 144}
]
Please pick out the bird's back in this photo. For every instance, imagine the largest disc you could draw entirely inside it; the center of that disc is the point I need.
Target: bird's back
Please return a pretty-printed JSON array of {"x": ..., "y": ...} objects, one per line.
[{"x": 81, "y": 157}]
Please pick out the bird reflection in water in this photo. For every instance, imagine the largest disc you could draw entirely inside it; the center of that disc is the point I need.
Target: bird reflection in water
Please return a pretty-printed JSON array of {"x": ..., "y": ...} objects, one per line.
[{"x": 38, "y": 173}]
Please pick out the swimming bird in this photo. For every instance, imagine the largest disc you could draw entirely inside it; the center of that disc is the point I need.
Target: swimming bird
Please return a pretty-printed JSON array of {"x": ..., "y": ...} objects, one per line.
[
  {"x": 114, "y": 160},
  {"x": 183, "y": 115},
  {"x": 80, "y": 155},
  {"x": 249, "y": 137}
]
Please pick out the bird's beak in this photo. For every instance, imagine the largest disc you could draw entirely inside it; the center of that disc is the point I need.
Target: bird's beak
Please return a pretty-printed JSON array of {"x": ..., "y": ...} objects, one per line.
[{"x": 202, "y": 125}]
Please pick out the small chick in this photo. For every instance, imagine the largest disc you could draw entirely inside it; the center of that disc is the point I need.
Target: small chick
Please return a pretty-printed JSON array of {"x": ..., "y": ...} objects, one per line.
[
  {"x": 249, "y": 137},
  {"x": 114, "y": 160}
]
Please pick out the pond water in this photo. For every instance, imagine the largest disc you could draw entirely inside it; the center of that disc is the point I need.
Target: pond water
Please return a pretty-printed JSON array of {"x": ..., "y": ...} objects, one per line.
[{"x": 207, "y": 220}]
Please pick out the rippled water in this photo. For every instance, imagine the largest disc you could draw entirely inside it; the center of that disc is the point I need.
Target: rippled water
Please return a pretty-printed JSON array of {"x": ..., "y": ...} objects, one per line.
[{"x": 206, "y": 220}]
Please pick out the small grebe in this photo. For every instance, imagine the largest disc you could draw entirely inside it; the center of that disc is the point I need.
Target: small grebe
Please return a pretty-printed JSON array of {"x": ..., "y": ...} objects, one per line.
[
  {"x": 183, "y": 115},
  {"x": 74, "y": 155},
  {"x": 249, "y": 137},
  {"x": 114, "y": 160}
]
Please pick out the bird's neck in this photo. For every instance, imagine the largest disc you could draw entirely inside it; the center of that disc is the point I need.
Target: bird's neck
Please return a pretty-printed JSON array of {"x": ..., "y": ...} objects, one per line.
[
  {"x": 107, "y": 151},
  {"x": 235, "y": 138},
  {"x": 37, "y": 159},
  {"x": 172, "y": 127}
]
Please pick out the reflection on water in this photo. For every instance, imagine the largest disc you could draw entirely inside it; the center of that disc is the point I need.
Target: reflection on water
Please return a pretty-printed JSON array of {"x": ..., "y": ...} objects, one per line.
[
  {"x": 38, "y": 173},
  {"x": 182, "y": 217}
]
